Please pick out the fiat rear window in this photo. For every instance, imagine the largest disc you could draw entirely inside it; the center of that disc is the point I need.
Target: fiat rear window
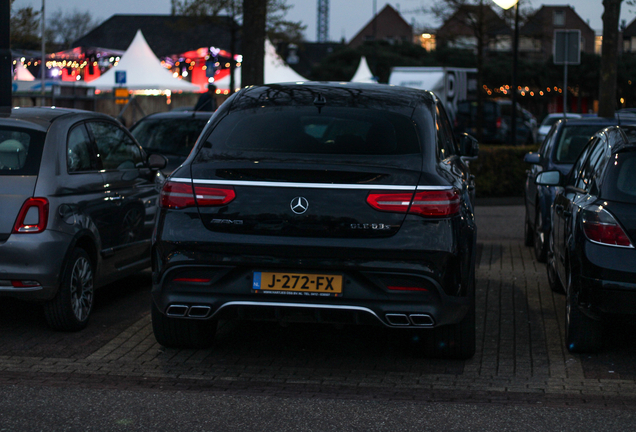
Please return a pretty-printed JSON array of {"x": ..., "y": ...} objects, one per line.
[
  {"x": 20, "y": 151},
  {"x": 329, "y": 130}
]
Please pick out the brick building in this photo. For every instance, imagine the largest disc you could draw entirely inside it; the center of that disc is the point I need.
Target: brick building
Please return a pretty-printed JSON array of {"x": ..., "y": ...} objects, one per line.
[
  {"x": 388, "y": 25},
  {"x": 537, "y": 35}
]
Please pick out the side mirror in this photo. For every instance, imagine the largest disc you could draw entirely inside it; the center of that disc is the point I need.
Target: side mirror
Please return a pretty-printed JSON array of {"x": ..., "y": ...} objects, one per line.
[
  {"x": 468, "y": 146},
  {"x": 532, "y": 158},
  {"x": 157, "y": 161},
  {"x": 549, "y": 178}
]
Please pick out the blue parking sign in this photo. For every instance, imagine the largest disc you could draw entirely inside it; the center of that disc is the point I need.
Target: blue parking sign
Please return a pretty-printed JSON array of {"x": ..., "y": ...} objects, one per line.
[{"x": 120, "y": 77}]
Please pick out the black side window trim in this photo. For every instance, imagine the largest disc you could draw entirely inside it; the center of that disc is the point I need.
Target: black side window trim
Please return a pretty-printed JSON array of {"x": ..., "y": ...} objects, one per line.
[
  {"x": 100, "y": 166},
  {"x": 92, "y": 150}
]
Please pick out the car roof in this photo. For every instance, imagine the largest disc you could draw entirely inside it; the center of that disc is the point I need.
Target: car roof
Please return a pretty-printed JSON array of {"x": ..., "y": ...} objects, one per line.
[
  {"x": 41, "y": 117},
  {"x": 571, "y": 115},
  {"x": 630, "y": 134},
  {"x": 337, "y": 94},
  {"x": 602, "y": 121},
  {"x": 179, "y": 115}
]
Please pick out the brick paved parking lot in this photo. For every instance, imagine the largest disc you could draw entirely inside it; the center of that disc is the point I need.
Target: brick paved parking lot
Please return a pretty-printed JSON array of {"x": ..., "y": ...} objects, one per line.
[{"x": 521, "y": 358}]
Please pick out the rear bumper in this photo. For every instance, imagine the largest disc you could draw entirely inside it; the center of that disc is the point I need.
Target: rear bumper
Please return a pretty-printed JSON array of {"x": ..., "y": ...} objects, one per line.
[
  {"x": 436, "y": 257},
  {"x": 609, "y": 297},
  {"x": 364, "y": 300},
  {"x": 200, "y": 290},
  {"x": 32, "y": 257},
  {"x": 608, "y": 280}
]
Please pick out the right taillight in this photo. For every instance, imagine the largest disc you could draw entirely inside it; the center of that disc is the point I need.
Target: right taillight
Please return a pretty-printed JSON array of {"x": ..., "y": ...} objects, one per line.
[
  {"x": 177, "y": 195},
  {"x": 431, "y": 203},
  {"x": 33, "y": 216},
  {"x": 601, "y": 227},
  {"x": 498, "y": 123}
]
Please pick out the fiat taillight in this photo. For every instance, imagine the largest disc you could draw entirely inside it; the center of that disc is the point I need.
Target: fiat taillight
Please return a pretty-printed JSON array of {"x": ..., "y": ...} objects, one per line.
[{"x": 33, "y": 216}]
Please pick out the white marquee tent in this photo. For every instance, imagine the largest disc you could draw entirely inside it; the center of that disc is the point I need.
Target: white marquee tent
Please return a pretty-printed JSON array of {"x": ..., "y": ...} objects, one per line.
[
  {"x": 276, "y": 70},
  {"x": 363, "y": 74},
  {"x": 22, "y": 73},
  {"x": 143, "y": 71}
]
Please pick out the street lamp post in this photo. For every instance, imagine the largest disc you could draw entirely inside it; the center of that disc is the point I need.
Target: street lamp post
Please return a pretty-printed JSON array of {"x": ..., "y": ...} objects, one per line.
[
  {"x": 507, "y": 4},
  {"x": 43, "y": 64}
]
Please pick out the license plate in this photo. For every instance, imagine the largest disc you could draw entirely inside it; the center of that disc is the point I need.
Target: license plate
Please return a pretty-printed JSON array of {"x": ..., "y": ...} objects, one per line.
[{"x": 320, "y": 285}]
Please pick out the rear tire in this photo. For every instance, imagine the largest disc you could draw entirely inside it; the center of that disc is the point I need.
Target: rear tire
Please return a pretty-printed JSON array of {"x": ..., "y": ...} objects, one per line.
[
  {"x": 540, "y": 245},
  {"x": 71, "y": 307},
  {"x": 582, "y": 333},
  {"x": 553, "y": 278},
  {"x": 182, "y": 332},
  {"x": 528, "y": 232},
  {"x": 455, "y": 341}
]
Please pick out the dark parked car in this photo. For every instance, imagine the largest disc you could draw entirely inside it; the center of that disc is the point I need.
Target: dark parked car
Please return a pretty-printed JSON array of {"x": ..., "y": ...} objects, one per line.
[
  {"x": 171, "y": 134},
  {"x": 551, "y": 119},
  {"x": 321, "y": 202},
  {"x": 496, "y": 124},
  {"x": 559, "y": 150},
  {"x": 78, "y": 203},
  {"x": 592, "y": 254}
]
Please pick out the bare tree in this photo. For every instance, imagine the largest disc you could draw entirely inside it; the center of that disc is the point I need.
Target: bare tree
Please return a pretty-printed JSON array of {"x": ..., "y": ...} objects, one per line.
[
  {"x": 65, "y": 28},
  {"x": 258, "y": 18},
  {"x": 25, "y": 28},
  {"x": 277, "y": 27},
  {"x": 609, "y": 58},
  {"x": 254, "y": 18},
  {"x": 470, "y": 19}
]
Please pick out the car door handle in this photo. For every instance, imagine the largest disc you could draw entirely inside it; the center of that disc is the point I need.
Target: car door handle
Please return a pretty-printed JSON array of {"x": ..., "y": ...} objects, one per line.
[
  {"x": 113, "y": 197},
  {"x": 471, "y": 183}
]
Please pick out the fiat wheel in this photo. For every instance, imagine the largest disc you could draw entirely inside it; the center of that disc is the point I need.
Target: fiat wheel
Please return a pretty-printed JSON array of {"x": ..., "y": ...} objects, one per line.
[{"x": 70, "y": 309}]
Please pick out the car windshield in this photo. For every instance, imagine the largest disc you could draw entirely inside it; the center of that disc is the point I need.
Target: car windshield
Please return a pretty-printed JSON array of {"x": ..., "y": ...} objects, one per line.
[
  {"x": 549, "y": 121},
  {"x": 572, "y": 141},
  {"x": 20, "y": 151},
  {"x": 619, "y": 184},
  {"x": 174, "y": 136},
  {"x": 330, "y": 130}
]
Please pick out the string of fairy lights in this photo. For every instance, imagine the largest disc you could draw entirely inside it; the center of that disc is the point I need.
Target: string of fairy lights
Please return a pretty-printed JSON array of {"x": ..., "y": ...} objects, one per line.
[{"x": 183, "y": 66}]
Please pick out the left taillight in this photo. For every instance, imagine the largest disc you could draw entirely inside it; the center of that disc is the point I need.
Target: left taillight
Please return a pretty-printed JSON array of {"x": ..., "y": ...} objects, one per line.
[
  {"x": 431, "y": 203},
  {"x": 601, "y": 227},
  {"x": 177, "y": 195},
  {"x": 33, "y": 216}
]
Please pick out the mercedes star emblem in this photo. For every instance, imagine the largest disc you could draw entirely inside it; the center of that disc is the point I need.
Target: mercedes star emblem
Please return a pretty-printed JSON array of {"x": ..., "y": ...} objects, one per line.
[{"x": 299, "y": 205}]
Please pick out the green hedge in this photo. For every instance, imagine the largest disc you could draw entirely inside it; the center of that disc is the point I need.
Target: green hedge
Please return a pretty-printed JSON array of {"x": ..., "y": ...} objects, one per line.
[{"x": 500, "y": 170}]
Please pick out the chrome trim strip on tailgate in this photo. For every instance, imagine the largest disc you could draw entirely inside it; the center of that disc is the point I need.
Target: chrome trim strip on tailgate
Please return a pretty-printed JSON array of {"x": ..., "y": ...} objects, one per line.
[
  {"x": 298, "y": 305},
  {"x": 307, "y": 185}
]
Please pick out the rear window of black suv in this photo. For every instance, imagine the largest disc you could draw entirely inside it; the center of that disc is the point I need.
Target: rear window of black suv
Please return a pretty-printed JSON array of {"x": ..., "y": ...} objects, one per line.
[{"x": 326, "y": 131}]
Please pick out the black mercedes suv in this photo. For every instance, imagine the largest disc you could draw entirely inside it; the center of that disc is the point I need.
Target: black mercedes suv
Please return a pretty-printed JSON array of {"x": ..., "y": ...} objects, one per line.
[{"x": 329, "y": 202}]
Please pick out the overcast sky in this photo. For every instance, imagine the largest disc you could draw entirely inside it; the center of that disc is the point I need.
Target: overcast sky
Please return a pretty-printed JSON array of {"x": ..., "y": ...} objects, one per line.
[{"x": 347, "y": 17}]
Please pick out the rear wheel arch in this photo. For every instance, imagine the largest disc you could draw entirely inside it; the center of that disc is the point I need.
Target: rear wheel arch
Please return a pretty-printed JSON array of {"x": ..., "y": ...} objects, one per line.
[{"x": 84, "y": 240}]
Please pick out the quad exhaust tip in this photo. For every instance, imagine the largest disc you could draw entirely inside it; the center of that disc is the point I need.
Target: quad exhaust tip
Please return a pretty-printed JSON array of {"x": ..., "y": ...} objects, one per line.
[
  {"x": 403, "y": 320},
  {"x": 184, "y": 311}
]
